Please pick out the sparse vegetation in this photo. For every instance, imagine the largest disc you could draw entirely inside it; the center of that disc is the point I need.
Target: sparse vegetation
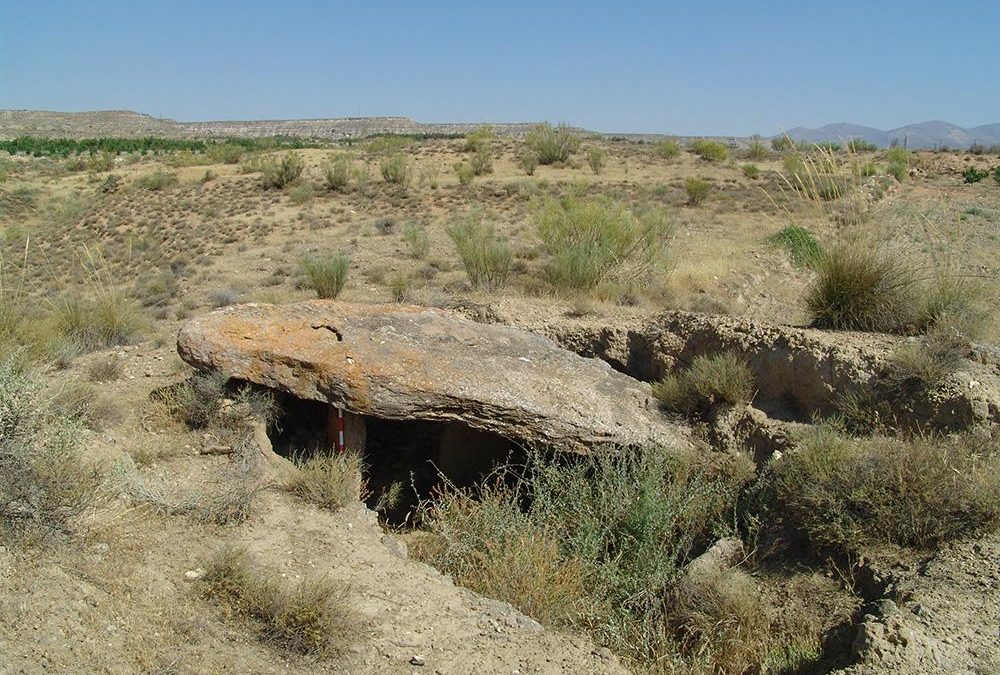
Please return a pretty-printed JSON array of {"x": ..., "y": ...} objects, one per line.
[
  {"x": 601, "y": 543},
  {"x": 850, "y": 494},
  {"x": 311, "y": 617},
  {"x": 45, "y": 481},
  {"x": 326, "y": 273},
  {"x": 158, "y": 180},
  {"x": 751, "y": 171},
  {"x": 710, "y": 381}
]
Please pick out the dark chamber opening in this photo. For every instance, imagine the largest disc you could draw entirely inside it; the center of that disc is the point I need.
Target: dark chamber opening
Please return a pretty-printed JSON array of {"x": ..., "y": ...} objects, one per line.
[{"x": 418, "y": 455}]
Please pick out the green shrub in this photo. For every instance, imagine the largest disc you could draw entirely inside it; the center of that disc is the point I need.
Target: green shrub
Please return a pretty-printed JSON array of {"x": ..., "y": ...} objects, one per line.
[
  {"x": 756, "y": 149},
  {"x": 395, "y": 169},
  {"x": 527, "y": 159},
  {"x": 225, "y": 153},
  {"x": 597, "y": 542},
  {"x": 800, "y": 243},
  {"x": 713, "y": 151},
  {"x": 337, "y": 171},
  {"x": 697, "y": 190},
  {"x": 847, "y": 495},
  {"x": 709, "y": 382},
  {"x": 485, "y": 254},
  {"x": 552, "y": 144},
  {"x": 312, "y": 617},
  {"x": 862, "y": 287},
  {"x": 328, "y": 480},
  {"x": 326, "y": 273},
  {"x": 668, "y": 148},
  {"x": 898, "y": 155},
  {"x": 996, "y": 173},
  {"x": 465, "y": 173},
  {"x": 592, "y": 241},
  {"x": 480, "y": 139},
  {"x": 280, "y": 174},
  {"x": 974, "y": 175},
  {"x": 860, "y": 145},
  {"x": 751, "y": 171},
  {"x": 898, "y": 170},
  {"x": 782, "y": 143},
  {"x": 158, "y": 180},
  {"x": 597, "y": 159},
  {"x": 417, "y": 240},
  {"x": 482, "y": 161},
  {"x": 45, "y": 481}
]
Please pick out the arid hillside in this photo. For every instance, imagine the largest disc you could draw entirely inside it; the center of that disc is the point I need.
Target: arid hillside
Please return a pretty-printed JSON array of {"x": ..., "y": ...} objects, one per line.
[{"x": 610, "y": 405}]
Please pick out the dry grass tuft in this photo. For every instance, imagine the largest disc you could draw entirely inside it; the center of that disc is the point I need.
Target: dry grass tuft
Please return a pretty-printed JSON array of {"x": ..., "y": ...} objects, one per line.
[
  {"x": 328, "y": 480},
  {"x": 311, "y": 617},
  {"x": 710, "y": 381}
]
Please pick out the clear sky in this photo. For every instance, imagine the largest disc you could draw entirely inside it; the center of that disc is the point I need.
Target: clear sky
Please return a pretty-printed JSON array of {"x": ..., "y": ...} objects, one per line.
[{"x": 697, "y": 67}]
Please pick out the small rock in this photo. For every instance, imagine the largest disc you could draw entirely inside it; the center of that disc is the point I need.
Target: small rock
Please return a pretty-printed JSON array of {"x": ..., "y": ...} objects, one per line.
[
  {"x": 887, "y": 608},
  {"x": 417, "y": 660},
  {"x": 195, "y": 574}
]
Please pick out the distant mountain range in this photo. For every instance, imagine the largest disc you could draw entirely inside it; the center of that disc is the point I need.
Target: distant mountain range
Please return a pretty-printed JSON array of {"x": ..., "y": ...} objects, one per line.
[{"x": 926, "y": 135}]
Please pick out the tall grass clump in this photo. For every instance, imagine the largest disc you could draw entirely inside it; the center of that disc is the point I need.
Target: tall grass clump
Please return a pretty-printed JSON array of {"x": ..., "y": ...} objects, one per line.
[
  {"x": 417, "y": 240},
  {"x": 552, "y": 144},
  {"x": 326, "y": 273},
  {"x": 281, "y": 173},
  {"x": 102, "y": 315},
  {"x": 709, "y": 382},
  {"x": 847, "y": 494},
  {"x": 800, "y": 244},
  {"x": 593, "y": 241},
  {"x": 597, "y": 542},
  {"x": 597, "y": 159},
  {"x": 862, "y": 287},
  {"x": 312, "y": 617},
  {"x": 712, "y": 151},
  {"x": 757, "y": 149},
  {"x": 45, "y": 481},
  {"x": 395, "y": 169},
  {"x": 337, "y": 171},
  {"x": 485, "y": 254}
]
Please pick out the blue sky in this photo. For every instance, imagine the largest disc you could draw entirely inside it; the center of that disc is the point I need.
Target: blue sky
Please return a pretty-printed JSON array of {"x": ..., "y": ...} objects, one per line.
[{"x": 698, "y": 67}]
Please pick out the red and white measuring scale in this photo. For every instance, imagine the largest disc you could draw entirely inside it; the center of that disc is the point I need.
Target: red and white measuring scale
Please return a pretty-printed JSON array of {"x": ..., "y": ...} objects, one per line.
[{"x": 340, "y": 442}]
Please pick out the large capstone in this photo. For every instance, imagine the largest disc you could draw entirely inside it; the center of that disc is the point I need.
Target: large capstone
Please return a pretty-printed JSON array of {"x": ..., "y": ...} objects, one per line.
[{"x": 413, "y": 363}]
